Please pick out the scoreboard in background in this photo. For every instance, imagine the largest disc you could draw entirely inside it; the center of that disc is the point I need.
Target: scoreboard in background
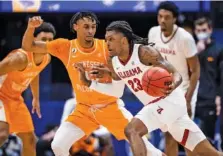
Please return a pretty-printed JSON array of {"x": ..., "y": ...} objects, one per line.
[{"x": 97, "y": 6}]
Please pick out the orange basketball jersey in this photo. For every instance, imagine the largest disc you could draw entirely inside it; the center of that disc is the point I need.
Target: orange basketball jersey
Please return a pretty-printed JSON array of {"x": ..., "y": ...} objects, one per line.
[
  {"x": 14, "y": 83},
  {"x": 70, "y": 52}
]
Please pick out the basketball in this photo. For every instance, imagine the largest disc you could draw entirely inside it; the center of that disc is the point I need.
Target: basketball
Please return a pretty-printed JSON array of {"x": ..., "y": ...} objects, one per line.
[{"x": 156, "y": 79}]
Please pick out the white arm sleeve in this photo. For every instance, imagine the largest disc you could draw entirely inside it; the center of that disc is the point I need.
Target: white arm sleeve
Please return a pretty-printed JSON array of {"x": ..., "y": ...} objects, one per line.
[{"x": 116, "y": 88}]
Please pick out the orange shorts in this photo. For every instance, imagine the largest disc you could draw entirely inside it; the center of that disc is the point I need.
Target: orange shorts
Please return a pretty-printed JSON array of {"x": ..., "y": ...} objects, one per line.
[
  {"x": 16, "y": 114},
  {"x": 114, "y": 117}
]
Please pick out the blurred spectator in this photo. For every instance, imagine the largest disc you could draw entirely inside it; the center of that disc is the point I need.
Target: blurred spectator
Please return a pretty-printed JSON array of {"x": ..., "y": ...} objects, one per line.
[
  {"x": 12, "y": 146},
  {"x": 210, "y": 57}
]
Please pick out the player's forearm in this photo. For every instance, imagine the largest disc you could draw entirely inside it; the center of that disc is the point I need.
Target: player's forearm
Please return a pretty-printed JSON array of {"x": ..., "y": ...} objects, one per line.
[
  {"x": 34, "y": 85},
  {"x": 116, "y": 88},
  {"x": 193, "y": 83},
  {"x": 28, "y": 39}
]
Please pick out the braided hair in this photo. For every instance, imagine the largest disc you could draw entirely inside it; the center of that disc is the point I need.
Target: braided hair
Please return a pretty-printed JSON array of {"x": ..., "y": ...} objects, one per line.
[
  {"x": 81, "y": 15},
  {"x": 124, "y": 28}
]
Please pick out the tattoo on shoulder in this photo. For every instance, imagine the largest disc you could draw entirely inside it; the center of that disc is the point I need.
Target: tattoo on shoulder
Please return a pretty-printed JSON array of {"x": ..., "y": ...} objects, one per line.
[{"x": 149, "y": 55}]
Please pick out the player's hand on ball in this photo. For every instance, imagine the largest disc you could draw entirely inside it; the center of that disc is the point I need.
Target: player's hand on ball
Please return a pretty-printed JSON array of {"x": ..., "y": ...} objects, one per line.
[
  {"x": 36, "y": 107},
  {"x": 171, "y": 86},
  {"x": 83, "y": 78},
  {"x": 35, "y": 22},
  {"x": 100, "y": 71}
]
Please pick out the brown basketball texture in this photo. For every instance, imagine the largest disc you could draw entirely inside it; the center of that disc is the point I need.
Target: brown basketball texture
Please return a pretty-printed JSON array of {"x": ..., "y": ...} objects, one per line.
[{"x": 155, "y": 80}]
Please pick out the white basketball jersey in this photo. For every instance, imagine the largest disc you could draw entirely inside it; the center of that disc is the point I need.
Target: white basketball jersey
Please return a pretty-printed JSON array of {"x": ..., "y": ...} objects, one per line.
[
  {"x": 131, "y": 73},
  {"x": 176, "y": 49}
]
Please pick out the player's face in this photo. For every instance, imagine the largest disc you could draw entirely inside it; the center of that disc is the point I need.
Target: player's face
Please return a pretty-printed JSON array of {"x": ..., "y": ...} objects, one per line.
[
  {"x": 86, "y": 29},
  {"x": 203, "y": 31},
  {"x": 44, "y": 36},
  {"x": 165, "y": 19},
  {"x": 114, "y": 42}
]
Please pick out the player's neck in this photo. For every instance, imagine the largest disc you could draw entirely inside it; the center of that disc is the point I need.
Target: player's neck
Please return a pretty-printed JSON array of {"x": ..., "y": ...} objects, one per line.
[
  {"x": 84, "y": 44},
  {"x": 125, "y": 55},
  {"x": 169, "y": 32}
]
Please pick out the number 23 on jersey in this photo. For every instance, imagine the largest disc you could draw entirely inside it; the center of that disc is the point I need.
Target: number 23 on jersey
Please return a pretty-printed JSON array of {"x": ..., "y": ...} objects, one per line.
[{"x": 135, "y": 84}]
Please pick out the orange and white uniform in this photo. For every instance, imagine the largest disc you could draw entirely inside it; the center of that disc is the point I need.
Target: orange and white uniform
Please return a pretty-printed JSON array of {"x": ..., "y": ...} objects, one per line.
[
  {"x": 13, "y": 110},
  {"x": 93, "y": 108}
]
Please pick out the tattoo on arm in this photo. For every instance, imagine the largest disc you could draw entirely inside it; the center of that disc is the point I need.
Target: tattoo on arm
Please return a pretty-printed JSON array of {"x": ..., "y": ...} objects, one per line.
[{"x": 151, "y": 57}]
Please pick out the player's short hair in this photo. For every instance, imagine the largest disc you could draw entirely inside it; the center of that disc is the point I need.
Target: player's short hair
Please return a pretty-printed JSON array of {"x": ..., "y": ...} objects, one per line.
[
  {"x": 45, "y": 27},
  {"x": 124, "y": 28},
  {"x": 81, "y": 15},
  {"x": 203, "y": 20},
  {"x": 170, "y": 6}
]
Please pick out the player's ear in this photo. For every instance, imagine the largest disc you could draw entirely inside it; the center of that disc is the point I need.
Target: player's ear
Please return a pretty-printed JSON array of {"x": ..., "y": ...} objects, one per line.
[
  {"x": 174, "y": 20},
  {"x": 124, "y": 40},
  {"x": 75, "y": 27}
]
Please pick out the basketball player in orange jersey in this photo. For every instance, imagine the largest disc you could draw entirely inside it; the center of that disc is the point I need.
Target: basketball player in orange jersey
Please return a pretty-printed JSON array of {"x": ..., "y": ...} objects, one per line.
[
  {"x": 18, "y": 70},
  {"x": 93, "y": 108}
]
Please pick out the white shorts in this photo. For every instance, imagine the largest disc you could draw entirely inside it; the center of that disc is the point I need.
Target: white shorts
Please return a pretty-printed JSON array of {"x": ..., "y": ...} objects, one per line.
[{"x": 170, "y": 114}]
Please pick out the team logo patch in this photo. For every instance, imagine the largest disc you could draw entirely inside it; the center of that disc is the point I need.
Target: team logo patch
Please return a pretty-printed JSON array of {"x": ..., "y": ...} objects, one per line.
[
  {"x": 210, "y": 59},
  {"x": 74, "y": 50}
]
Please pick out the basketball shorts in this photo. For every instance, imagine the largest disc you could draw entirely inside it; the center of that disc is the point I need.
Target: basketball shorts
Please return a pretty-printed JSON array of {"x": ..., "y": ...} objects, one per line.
[
  {"x": 170, "y": 114},
  {"x": 16, "y": 114},
  {"x": 113, "y": 116}
]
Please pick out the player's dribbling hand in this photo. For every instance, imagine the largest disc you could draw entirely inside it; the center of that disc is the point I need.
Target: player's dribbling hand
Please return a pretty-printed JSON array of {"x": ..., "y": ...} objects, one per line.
[
  {"x": 36, "y": 107},
  {"x": 83, "y": 78},
  {"x": 35, "y": 22},
  {"x": 169, "y": 89},
  {"x": 100, "y": 71}
]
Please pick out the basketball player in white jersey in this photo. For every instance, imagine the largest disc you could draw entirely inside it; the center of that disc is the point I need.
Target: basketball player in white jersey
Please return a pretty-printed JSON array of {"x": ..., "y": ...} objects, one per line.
[
  {"x": 178, "y": 47},
  {"x": 169, "y": 113}
]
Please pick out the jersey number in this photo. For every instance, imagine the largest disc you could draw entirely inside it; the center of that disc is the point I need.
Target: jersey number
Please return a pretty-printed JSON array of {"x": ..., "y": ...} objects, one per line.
[{"x": 135, "y": 84}]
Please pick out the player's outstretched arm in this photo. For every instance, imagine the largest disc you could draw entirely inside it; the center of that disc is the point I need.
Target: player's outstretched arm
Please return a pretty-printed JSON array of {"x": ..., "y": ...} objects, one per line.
[
  {"x": 150, "y": 56},
  {"x": 28, "y": 43},
  {"x": 13, "y": 62}
]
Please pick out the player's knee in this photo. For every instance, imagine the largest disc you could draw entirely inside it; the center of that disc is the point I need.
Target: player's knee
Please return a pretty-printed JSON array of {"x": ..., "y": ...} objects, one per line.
[
  {"x": 170, "y": 140},
  {"x": 130, "y": 130},
  {"x": 4, "y": 133},
  {"x": 32, "y": 139},
  {"x": 135, "y": 127}
]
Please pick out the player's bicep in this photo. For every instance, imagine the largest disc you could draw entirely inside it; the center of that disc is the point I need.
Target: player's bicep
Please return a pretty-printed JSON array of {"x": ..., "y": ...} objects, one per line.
[
  {"x": 151, "y": 57},
  {"x": 59, "y": 48}
]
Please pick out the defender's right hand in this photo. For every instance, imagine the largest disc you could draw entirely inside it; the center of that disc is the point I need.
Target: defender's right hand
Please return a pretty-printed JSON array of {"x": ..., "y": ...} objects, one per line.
[{"x": 35, "y": 22}]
